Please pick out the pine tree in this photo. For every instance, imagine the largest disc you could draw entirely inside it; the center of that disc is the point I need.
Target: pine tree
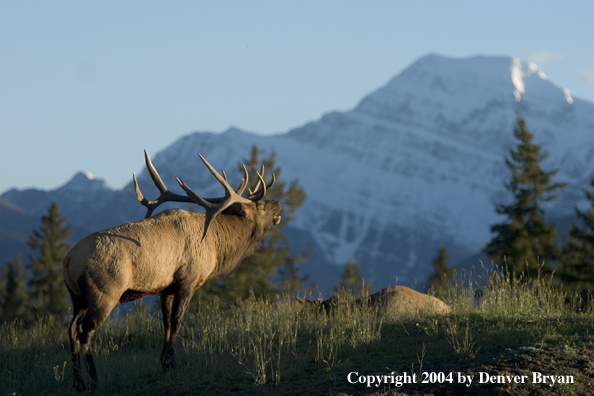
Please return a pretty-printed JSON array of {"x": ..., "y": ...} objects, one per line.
[
  {"x": 256, "y": 274},
  {"x": 524, "y": 239},
  {"x": 48, "y": 293},
  {"x": 13, "y": 294},
  {"x": 352, "y": 281},
  {"x": 290, "y": 280},
  {"x": 577, "y": 258},
  {"x": 442, "y": 274}
]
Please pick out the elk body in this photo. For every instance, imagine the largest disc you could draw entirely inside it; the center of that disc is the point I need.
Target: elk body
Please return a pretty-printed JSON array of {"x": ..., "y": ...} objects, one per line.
[
  {"x": 171, "y": 254},
  {"x": 393, "y": 301}
]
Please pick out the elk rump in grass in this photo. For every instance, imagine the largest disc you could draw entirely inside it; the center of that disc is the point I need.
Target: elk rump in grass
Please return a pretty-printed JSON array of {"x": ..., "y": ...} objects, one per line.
[
  {"x": 391, "y": 301},
  {"x": 172, "y": 254}
]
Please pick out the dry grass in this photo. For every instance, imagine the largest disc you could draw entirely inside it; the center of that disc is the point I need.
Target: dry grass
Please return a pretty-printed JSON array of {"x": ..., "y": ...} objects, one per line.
[{"x": 276, "y": 347}]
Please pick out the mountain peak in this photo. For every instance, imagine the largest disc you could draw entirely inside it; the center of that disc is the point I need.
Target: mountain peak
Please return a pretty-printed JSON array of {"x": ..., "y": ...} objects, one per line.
[
  {"x": 435, "y": 88},
  {"x": 234, "y": 130},
  {"x": 85, "y": 180},
  {"x": 82, "y": 176}
]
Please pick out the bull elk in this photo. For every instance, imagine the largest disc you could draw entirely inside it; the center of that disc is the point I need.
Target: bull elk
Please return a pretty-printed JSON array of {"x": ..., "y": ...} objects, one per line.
[
  {"x": 394, "y": 300},
  {"x": 172, "y": 253}
]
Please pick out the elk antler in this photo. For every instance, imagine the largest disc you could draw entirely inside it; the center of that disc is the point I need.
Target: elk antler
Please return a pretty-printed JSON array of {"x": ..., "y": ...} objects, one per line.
[
  {"x": 213, "y": 206},
  {"x": 165, "y": 196}
]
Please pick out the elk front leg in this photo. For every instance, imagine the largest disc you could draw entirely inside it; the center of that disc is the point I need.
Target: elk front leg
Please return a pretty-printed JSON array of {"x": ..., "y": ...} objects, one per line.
[
  {"x": 167, "y": 310},
  {"x": 178, "y": 303}
]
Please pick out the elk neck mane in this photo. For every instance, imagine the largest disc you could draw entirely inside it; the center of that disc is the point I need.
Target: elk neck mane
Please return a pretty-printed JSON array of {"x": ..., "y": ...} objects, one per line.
[
  {"x": 236, "y": 238},
  {"x": 232, "y": 237}
]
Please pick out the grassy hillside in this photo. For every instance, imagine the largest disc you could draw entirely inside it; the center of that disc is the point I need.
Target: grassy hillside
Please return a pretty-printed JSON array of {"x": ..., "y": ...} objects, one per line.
[{"x": 514, "y": 332}]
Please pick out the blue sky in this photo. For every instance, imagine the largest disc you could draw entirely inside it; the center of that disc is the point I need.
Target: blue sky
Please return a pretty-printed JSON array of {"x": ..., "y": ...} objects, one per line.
[{"x": 89, "y": 86}]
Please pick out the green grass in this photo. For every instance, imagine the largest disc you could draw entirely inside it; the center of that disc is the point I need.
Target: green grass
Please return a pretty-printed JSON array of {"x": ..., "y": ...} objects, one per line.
[{"x": 278, "y": 348}]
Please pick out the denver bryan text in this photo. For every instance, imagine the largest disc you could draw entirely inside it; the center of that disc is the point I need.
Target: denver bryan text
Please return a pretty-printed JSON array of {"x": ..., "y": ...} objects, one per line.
[{"x": 537, "y": 378}]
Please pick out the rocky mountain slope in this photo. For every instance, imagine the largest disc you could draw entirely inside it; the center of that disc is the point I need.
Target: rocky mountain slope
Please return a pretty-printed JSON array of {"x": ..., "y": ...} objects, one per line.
[{"x": 419, "y": 163}]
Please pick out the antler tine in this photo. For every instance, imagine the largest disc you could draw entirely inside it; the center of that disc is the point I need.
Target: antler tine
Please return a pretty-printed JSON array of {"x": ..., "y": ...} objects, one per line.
[
  {"x": 154, "y": 174},
  {"x": 258, "y": 192},
  {"x": 271, "y": 182},
  {"x": 244, "y": 182},
  {"x": 228, "y": 189},
  {"x": 257, "y": 185},
  {"x": 165, "y": 195}
]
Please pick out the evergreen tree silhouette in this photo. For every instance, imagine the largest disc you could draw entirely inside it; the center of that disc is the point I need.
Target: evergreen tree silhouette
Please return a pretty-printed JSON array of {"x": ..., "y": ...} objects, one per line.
[
  {"x": 443, "y": 275},
  {"x": 525, "y": 240},
  {"x": 577, "y": 258},
  {"x": 48, "y": 293},
  {"x": 352, "y": 281},
  {"x": 14, "y": 298}
]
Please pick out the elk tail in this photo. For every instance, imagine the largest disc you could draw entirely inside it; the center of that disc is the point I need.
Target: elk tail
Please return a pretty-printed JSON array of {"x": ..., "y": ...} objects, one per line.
[{"x": 66, "y": 272}]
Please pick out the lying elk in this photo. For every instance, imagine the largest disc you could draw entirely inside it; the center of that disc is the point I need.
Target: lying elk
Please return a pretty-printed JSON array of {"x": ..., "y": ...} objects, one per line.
[
  {"x": 172, "y": 253},
  {"x": 395, "y": 300}
]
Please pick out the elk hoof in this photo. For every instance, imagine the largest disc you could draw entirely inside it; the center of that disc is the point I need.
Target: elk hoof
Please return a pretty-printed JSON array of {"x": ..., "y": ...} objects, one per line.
[
  {"x": 168, "y": 364},
  {"x": 79, "y": 385}
]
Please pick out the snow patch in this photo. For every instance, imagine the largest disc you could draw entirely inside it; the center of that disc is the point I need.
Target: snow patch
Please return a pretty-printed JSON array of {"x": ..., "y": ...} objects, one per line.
[
  {"x": 517, "y": 78},
  {"x": 568, "y": 96},
  {"x": 88, "y": 174}
]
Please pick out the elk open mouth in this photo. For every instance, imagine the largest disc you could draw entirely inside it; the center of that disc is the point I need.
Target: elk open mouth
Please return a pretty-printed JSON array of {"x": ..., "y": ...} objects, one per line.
[{"x": 276, "y": 220}]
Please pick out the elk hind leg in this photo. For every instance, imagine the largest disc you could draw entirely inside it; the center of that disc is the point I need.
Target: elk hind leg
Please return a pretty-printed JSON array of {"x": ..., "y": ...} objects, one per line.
[
  {"x": 96, "y": 314},
  {"x": 79, "y": 311}
]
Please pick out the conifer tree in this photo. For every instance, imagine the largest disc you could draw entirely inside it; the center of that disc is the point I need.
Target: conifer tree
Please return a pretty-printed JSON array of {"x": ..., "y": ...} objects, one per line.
[
  {"x": 288, "y": 276},
  {"x": 442, "y": 274},
  {"x": 352, "y": 281},
  {"x": 256, "y": 274},
  {"x": 577, "y": 259},
  {"x": 13, "y": 293},
  {"x": 525, "y": 239},
  {"x": 48, "y": 293}
]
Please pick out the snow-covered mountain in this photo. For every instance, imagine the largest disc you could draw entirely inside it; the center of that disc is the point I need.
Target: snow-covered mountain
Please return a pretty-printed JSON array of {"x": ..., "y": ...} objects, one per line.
[
  {"x": 419, "y": 163},
  {"x": 78, "y": 198}
]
